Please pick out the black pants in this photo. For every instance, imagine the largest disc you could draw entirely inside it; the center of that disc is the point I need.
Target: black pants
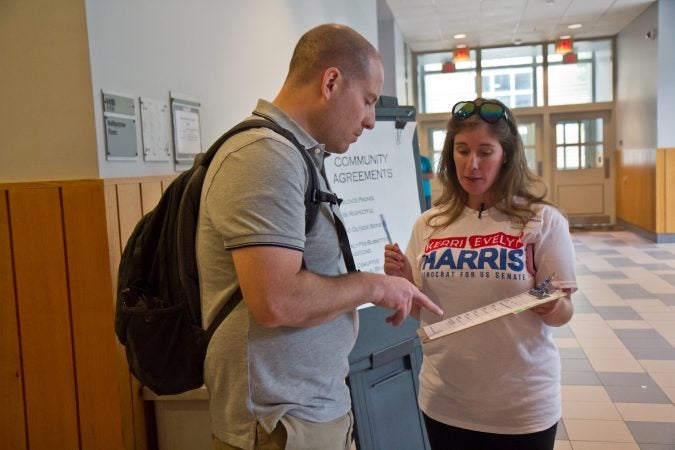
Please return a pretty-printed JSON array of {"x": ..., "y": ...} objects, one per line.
[{"x": 446, "y": 437}]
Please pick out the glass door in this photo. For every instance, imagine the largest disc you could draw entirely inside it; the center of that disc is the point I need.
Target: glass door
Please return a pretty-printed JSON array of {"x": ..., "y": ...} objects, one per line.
[{"x": 582, "y": 181}]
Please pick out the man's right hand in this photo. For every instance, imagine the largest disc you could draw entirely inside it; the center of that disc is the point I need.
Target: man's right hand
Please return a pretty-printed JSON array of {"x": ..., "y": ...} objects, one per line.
[{"x": 402, "y": 296}]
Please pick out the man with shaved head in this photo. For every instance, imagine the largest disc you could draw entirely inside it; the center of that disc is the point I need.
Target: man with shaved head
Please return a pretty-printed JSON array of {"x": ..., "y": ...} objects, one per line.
[{"x": 276, "y": 367}]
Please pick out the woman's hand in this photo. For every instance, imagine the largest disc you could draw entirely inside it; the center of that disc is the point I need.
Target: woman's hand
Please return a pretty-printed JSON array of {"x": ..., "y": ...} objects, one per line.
[
  {"x": 396, "y": 263},
  {"x": 556, "y": 313}
]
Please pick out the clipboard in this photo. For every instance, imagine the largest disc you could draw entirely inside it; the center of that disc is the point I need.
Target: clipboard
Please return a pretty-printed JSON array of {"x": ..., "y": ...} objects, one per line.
[{"x": 542, "y": 293}]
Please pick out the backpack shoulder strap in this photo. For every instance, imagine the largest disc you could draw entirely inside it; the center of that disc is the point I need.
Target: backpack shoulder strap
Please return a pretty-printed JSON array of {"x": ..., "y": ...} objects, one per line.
[{"x": 313, "y": 195}]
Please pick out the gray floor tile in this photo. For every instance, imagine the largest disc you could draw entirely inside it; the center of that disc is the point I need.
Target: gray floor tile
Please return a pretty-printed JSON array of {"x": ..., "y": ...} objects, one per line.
[
  {"x": 611, "y": 275},
  {"x": 637, "y": 334},
  {"x": 622, "y": 262},
  {"x": 637, "y": 394},
  {"x": 581, "y": 303},
  {"x": 583, "y": 307},
  {"x": 661, "y": 254},
  {"x": 571, "y": 353},
  {"x": 626, "y": 379},
  {"x": 563, "y": 332},
  {"x": 653, "y": 353},
  {"x": 656, "y": 266},
  {"x": 652, "y": 432},
  {"x": 628, "y": 291},
  {"x": 617, "y": 313},
  {"x": 606, "y": 252},
  {"x": 581, "y": 248},
  {"x": 576, "y": 365},
  {"x": 579, "y": 297},
  {"x": 561, "y": 432},
  {"x": 669, "y": 277},
  {"x": 581, "y": 269},
  {"x": 656, "y": 447},
  {"x": 580, "y": 378},
  {"x": 668, "y": 299},
  {"x": 597, "y": 235},
  {"x": 614, "y": 242},
  {"x": 657, "y": 342}
]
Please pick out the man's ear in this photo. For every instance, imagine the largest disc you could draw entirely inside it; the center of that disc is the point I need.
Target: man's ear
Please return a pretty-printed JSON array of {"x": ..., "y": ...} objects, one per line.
[{"x": 331, "y": 79}]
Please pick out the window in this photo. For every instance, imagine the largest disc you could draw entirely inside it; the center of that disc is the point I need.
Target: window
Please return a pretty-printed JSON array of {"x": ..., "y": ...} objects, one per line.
[
  {"x": 527, "y": 133},
  {"x": 509, "y": 74},
  {"x": 436, "y": 139},
  {"x": 579, "y": 144},
  {"x": 586, "y": 81},
  {"x": 440, "y": 89},
  {"x": 515, "y": 76}
]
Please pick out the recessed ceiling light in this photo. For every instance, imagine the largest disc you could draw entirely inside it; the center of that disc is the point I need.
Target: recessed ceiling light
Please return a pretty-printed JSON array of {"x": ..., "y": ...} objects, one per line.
[
  {"x": 574, "y": 26},
  {"x": 460, "y": 46},
  {"x": 567, "y": 36},
  {"x": 460, "y": 36},
  {"x": 517, "y": 41}
]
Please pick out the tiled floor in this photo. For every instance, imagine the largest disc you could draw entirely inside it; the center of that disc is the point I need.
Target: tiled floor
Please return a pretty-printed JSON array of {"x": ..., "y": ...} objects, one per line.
[{"x": 618, "y": 352}]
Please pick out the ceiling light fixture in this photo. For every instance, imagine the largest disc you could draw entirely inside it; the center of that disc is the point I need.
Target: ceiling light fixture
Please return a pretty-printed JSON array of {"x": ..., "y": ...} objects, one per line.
[
  {"x": 460, "y": 36},
  {"x": 461, "y": 54},
  {"x": 461, "y": 46},
  {"x": 567, "y": 36},
  {"x": 574, "y": 26},
  {"x": 564, "y": 46}
]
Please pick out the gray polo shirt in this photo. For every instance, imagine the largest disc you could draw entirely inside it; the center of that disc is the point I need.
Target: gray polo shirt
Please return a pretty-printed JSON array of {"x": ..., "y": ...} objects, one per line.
[{"x": 253, "y": 195}]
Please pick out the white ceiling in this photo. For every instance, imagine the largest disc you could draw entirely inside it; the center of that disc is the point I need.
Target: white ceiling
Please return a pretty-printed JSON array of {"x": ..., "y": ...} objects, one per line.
[{"x": 431, "y": 24}]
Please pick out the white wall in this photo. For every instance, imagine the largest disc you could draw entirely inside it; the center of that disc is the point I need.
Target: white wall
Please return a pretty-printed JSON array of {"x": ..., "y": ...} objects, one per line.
[
  {"x": 226, "y": 54},
  {"x": 392, "y": 49},
  {"x": 401, "y": 56},
  {"x": 666, "y": 74},
  {"x": 636, "y": 94}
]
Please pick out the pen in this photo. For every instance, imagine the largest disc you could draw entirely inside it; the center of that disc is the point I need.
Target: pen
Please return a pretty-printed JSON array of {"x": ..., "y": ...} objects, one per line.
[{"x": 386, "y": 230}]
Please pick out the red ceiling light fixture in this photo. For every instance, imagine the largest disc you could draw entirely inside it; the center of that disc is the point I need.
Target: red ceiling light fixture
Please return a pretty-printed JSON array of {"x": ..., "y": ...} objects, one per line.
[
  {"x": 563, "y": 46},
  {"x": 460, "y": 54},
  {"x": 448, "y": 67},
  {"x": 570, "y": 58}
]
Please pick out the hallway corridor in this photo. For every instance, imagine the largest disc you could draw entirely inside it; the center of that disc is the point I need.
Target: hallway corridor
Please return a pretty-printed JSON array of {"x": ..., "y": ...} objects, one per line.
[{"x": 618, "y": 352}]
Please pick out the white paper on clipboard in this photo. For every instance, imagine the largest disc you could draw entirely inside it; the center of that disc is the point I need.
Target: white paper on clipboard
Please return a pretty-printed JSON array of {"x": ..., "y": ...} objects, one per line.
[{"x": 511, "y": 305}]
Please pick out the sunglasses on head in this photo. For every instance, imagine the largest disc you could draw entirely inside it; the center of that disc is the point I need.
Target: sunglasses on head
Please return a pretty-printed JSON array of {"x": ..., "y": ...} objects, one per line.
[{"x": 489, "y": 111}]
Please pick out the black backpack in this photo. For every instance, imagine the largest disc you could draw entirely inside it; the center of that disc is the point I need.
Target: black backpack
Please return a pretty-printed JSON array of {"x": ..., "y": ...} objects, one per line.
[{"x": 158, "y": 310}]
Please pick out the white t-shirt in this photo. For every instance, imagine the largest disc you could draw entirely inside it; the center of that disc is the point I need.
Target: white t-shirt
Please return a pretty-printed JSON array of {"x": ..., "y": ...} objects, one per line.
[{"x": 502, "y": 376}]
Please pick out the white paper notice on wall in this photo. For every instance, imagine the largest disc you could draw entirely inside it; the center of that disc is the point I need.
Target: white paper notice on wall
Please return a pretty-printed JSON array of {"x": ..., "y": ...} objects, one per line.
[
  {"x": 377, "y": 181},
  {"x": 187, "y": 136},
  {"x": 156, "y": 129}
]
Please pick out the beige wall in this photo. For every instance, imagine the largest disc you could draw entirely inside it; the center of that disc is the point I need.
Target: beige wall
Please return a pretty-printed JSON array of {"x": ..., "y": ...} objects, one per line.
[{"x": 46, "y": 112}]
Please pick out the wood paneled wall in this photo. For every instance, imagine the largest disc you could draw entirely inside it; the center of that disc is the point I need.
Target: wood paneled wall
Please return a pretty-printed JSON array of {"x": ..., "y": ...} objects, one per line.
[
  {"x": 645, "y": 189},
  {"x": 665, "y": 190},
  {"x": 58, "y": 383},
  {"x": 635, "y": 188}
]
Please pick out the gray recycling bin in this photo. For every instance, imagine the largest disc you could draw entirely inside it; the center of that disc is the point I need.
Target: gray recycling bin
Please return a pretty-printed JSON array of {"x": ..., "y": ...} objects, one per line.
[{"x": 383, "y": 379}]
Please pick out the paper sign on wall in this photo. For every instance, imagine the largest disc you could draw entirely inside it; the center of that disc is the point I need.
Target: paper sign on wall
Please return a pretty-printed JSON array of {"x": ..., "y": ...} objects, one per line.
[
  {"x": 187, "y": 137},
  {"x": 155, "y": 129}
]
